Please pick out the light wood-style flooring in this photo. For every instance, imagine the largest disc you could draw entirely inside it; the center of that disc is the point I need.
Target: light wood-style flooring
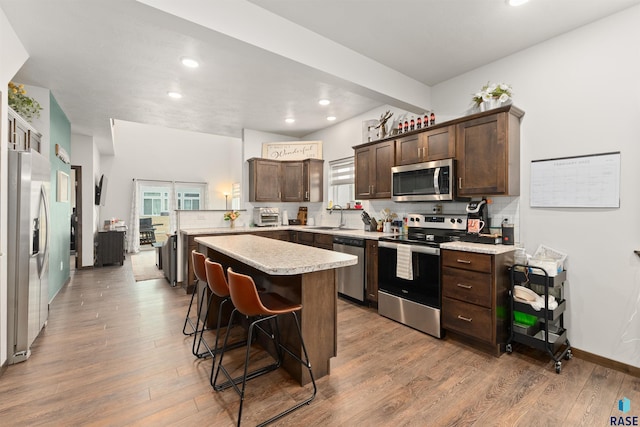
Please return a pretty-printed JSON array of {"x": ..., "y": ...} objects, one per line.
[{"x": 113, "y": 353}]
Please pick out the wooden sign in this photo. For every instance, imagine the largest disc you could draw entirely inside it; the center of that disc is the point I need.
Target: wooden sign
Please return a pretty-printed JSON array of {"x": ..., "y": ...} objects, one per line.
[{"x": 295, "y": 150}]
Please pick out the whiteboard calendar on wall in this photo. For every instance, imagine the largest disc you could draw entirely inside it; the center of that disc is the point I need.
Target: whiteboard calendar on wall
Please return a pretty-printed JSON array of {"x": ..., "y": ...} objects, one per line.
[{"x": 589, "y": 181}]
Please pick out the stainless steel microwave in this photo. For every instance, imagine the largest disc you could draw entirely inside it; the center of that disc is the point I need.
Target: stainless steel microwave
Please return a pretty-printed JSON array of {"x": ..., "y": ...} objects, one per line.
[{"x": 427, "y": 181}]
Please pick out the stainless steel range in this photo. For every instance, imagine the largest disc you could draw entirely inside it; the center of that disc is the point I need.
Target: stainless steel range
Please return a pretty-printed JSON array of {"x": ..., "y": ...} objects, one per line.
[{"x": 409, "y": 286}]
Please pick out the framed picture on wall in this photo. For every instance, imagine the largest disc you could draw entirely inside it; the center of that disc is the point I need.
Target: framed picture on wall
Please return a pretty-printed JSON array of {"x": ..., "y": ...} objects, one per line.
[
  {"x": 294, "y": 150},
  {"x": 62, "y": 194}
]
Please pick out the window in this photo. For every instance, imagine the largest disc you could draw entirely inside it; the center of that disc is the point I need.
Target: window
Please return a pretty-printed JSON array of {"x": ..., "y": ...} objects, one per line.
[
  {"x": 190, "y": 197},
  {"x": 160, "y": 198},
  {"x": 154, "y": 202},
  {"x": 342, "y": 181},
  {"x": 189, "y": 200}
]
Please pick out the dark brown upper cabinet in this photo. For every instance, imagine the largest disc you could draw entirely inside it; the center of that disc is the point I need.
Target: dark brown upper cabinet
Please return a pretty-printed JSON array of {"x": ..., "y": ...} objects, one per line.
[{"x": 285, "y": 181}]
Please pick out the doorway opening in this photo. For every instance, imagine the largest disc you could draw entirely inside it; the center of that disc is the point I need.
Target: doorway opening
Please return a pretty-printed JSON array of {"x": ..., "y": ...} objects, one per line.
[{"x": 75, "y": 249}]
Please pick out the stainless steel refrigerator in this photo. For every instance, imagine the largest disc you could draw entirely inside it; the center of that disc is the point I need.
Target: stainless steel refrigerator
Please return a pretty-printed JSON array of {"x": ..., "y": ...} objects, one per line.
[{"x": 28, "y": 251}]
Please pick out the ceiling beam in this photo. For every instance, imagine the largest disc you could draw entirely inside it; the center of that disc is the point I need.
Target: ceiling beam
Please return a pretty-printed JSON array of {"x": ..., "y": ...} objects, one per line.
[{"x": 254, "y": 25}]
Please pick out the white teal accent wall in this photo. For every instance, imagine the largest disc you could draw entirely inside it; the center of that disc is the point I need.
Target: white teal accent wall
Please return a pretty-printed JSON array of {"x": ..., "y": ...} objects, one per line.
[{"x": 60, "y": 211}]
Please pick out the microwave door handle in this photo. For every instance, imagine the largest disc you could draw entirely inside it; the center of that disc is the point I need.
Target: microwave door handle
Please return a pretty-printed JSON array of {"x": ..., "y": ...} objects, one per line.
[{"x": 436, "y": 180}]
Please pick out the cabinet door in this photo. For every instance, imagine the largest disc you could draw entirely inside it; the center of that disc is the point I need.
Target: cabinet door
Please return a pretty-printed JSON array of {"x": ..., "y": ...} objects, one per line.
[
  {"x": 482, "y": 155},
  {"x": 305, "y": 238},
  {"x": 10, "y": 132},
  {"x": 324, "y": 241},
  {"x": 371, "y": 258},
  {"x": 439, "y": 143},
  {"x": 21, "y": 136},
  {"x": 384, "y": 155},
  {"x": 312, "y": 178},
  {"x": 409, "y": 150},
  {"x": 364, "y": 189},
  {"x": 264, "y": 180},
  {"x": 34, "y": 141},
  {"x": 292, "y": 187}
]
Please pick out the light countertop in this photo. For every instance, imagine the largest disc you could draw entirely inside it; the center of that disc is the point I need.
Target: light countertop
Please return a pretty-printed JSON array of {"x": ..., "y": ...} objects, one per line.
[
  {"x": 276, "y": 257},
  {"x": 371, "y": 235},
  {"x": 481, "y": 248}
]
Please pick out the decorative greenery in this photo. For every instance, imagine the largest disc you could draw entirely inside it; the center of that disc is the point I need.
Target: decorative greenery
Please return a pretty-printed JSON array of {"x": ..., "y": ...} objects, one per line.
[
  {"x": 27, "y": 107},
  {"x": 231, "y": 216},
  {"x": 501, "y": 92}
]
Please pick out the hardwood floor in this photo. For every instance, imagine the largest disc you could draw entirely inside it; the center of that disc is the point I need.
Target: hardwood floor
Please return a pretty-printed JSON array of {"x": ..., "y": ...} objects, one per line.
[{"x": 113, "y": 353}]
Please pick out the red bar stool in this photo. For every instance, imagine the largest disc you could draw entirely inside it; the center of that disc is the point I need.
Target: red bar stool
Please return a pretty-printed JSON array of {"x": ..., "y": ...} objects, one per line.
[
  {"x": 199, "y": 270},
  {"x": 264, "y": 306}
]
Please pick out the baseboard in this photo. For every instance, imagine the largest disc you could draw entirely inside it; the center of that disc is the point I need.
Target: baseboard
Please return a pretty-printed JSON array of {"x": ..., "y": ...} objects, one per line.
[{"x": 607, "y": 363}]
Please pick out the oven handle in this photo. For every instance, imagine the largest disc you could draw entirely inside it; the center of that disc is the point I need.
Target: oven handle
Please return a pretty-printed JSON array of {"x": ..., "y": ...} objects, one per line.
[{"x": 429, "y": 250}]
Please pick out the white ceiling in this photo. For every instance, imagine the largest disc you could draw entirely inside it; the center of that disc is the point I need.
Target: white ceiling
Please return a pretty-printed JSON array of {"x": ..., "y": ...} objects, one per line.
[{"x": 116, "y": 59}]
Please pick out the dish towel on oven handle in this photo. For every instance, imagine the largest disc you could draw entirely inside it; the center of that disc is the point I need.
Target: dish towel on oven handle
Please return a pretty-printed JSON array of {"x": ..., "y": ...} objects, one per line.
[{"x": 404, "y": 266}]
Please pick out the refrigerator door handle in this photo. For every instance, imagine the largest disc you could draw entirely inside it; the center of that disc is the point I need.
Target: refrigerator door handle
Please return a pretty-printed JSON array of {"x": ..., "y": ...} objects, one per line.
[
  {"x": 35, "y": 243},
  {"x": 44, "y": 253}
]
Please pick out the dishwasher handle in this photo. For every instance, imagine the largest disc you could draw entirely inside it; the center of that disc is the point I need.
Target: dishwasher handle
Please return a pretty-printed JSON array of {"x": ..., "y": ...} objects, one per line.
[{"x": 348, "y": 241}]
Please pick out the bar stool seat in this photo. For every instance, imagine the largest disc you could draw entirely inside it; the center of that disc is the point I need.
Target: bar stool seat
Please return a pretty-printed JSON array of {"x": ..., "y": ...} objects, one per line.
[{"x": 263, "y": 307}]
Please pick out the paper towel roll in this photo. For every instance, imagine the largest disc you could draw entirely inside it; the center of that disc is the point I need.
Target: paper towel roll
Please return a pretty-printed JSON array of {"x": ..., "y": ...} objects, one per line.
[{"x": 285, "y": 218}]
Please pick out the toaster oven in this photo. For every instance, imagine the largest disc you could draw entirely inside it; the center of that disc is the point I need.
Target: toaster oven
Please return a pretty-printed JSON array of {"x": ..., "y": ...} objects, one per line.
[{"x": 266, "y": 217}]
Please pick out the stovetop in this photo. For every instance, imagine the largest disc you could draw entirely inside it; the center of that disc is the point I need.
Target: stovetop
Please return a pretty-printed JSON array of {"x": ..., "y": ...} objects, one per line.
[{"x": 431, "y": 230}]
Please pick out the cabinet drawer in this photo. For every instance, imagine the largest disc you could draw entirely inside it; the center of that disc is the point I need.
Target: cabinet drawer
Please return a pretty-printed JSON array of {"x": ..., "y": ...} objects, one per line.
[
  {"x": 468, "y": 319},
  {"x": 467, "y": 260},
  {"x": 469, "y": 286}
]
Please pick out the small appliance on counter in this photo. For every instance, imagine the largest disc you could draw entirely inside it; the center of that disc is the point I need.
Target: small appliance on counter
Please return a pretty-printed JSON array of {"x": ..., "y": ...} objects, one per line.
[
  {"x": 266, "y": 217},
  {"x": 477, "y": 222}
]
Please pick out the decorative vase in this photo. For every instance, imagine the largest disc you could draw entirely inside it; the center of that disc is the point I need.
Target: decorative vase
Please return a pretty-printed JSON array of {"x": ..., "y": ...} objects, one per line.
[
  {"x": 490, "y": 104},
  {"x": 232, "y": 224}
]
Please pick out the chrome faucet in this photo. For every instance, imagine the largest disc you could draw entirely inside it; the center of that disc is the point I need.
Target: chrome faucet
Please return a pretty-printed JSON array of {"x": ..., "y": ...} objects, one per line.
[{"x": 342, "y": 224}]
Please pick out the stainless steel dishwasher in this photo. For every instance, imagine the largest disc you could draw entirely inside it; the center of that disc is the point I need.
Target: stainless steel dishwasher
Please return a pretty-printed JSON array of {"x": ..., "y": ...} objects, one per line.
[{"x": 351, "y": 280}]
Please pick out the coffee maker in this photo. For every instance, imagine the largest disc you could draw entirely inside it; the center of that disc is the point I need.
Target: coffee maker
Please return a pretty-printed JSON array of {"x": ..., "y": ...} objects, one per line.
[{"x": 478, "y": 210}]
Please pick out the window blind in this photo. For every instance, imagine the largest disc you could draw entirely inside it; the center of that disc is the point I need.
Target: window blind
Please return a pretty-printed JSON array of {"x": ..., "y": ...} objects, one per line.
[{"x": 342, "y": 171}]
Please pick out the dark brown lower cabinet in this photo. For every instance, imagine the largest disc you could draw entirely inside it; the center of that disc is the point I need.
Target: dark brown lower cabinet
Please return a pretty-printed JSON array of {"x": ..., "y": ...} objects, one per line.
[
  {"x": 371, "y": 256},
  {"x": 475, "y": 297}
]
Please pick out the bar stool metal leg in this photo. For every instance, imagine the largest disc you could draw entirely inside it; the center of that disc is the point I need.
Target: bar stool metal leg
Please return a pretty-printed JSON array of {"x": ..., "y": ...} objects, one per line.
[
  {"x": 194, "y": 350},
  {"x": 187, "y": 319},
  {"x": 263, "y": 307},
  {"x": 246, "y": 376}
]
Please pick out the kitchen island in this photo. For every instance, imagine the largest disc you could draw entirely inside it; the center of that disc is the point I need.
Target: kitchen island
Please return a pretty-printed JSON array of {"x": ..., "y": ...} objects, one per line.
[{"x": 300, "y": 273}]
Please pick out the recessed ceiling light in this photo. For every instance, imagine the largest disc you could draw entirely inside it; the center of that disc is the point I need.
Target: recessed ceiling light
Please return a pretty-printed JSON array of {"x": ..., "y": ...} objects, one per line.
[
  {"x": 290, "y": 120},
  {"x": 188, "y": 62},
  {"x": 324, "y": 102},
  {"x": 174, "y": 95},
  {"x": 516, "y": 2},
  {"x": 331, "y": 118}
]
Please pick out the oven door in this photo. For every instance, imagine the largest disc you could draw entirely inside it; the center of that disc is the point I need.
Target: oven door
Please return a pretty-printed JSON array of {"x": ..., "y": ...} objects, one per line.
[{"x": 425, "y": 286}]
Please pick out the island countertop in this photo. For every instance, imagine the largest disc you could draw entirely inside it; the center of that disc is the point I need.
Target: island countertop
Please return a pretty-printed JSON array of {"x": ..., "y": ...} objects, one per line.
[{"x": 276, "y": 257}]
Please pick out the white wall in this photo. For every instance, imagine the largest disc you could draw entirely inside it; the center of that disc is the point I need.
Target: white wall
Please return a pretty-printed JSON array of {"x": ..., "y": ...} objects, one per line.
[
  {"x": 12, "y": 56},
  {"x": 84, "y": 153},
  {"x": 581, "y": 95},
  {"x": 153, "y": 152}
]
